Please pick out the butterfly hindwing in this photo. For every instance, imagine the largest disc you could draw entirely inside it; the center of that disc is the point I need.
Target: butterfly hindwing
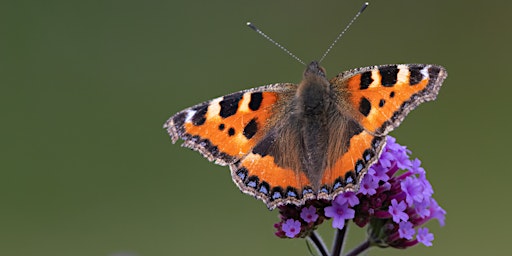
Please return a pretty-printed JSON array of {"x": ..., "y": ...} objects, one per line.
[
  {"x": 363, "y": 150},
  {"x": 260, "y": 176},
  {"x": 226, "y": 128},
  {"x": 381, "y": 96}
]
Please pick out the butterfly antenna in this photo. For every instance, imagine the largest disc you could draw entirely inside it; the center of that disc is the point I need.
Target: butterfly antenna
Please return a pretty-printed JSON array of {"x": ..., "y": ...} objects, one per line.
[
  {"x": 344, "y": 30},
  {"x": 253, "y": 27}
]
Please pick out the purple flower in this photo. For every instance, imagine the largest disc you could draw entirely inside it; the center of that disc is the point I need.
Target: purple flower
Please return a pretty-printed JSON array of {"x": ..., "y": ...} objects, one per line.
[
  {"x": 397, "y": 211},
  {"x": 413, "y": 190},
  {"x": 378, "y": 172},
  {"x": 308, "y": 214},
  {"x": 426, "y": 187},
  {"x": 402, "y": 160},
  {"x": 422, "y": 208},
  {"x": 386, "y": 158},
  {"x": 406, "y": 230},
  {"x": 416, "y": 167},
  {"x": 347, "y": 197},
  {"x": 368, "y": 185},
  {"x": 339, "y": 213},
  {"x": 437, "y": 212},
  {"x": 291, "y": 227},
  {"x": 399, "y": 154},
  {"x": 425, "y": 237}
]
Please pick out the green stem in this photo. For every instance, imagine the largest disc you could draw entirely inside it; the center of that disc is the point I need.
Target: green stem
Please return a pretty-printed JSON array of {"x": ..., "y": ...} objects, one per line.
[
  {"x": 360, "y": 248},
  {"x": 319, "y": 244},
  {"x": 337, "y": 247}
]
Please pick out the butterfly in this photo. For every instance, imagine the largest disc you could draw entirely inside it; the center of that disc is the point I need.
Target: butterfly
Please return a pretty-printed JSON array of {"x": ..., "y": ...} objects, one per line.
[{"x": 288, "y": 143}]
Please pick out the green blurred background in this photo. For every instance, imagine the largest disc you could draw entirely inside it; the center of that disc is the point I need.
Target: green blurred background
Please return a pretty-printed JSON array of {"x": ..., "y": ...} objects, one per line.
[{"x": 86, "y": 168}]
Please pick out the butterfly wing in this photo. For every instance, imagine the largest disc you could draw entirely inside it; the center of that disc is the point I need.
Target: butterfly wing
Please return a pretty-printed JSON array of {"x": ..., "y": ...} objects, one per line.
[
  {"x": 347, "y": 169},
  {"x": 225, "y": 129},
  {"x": 381, "y": 96},
  {"x": 236, "y": 130},
  {"x": 378, "y": 99}
]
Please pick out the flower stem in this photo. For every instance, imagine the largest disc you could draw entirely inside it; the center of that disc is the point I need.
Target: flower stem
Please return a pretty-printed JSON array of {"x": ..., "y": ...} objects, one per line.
[
  {"x": 319, "y": 244},
  {"x": 360, "y": 248},
  {"x": 337, "y": 247}
]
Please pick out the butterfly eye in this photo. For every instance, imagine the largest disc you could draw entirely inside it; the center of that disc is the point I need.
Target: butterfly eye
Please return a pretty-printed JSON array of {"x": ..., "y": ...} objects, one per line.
[{"x": 322, "y": 70}]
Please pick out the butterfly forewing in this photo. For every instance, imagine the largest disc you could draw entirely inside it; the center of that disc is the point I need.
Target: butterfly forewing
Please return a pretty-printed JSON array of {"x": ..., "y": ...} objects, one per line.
[
  {"x": 226, "y": 128},
  {"x": 381, "y": 96}
]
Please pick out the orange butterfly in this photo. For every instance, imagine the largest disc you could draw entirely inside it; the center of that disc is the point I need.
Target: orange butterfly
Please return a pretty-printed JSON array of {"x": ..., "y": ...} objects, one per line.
[{"x": 288, "y": 143}]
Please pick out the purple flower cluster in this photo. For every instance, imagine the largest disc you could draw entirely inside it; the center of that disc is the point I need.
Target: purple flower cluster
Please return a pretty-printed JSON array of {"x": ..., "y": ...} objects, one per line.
[
  {"x": 300, "y": 221},
  {"x": 394, "y": 200}
]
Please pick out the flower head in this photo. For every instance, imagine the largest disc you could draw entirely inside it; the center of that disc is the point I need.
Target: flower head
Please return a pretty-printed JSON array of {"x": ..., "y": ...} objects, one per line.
[
  {"x": 416, "y": 167},
  {"x": 378, "y": 172},
  {"x": 397, "y": 211},
  {"x": 436, "y": 212},
  {"x": 425, "y": 237},
  {"x": 291, "y": 227},
  {"x": 308, "y": 214},
  {"x": 348, "y": 197},
  {"x": 369, "y": 185},
  {"x": 413, "y": 190},
  {"x": 339, "y": 214},
  {"x": 406, "y": 230}
]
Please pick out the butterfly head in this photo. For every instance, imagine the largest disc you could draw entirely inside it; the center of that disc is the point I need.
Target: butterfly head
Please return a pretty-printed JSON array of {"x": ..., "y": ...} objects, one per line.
[
  {"x": 314, "y": 69},
  {"x": 314, "y": 75}
]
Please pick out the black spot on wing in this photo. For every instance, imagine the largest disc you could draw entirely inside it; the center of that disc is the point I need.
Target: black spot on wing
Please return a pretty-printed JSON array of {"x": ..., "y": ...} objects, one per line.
[
  {"x": 252, "y": 181},
  {"x": 250, "y": 129},
  {"x": 276, "y": 193},
  {"x": 255, "y": 102},
  {"x": 292, "y": 192},
  {"x": 359, "y": 166},
  {"x": 433, "y": 72},
  {"x": 229, "y": 105},
  {"x": 377, "y": 141},
  {"x": 221, "y": 127},
  {"x": 242, "y": 173},
  {"x": 200, "y": 116},
  {"x": 264, "y": 188},
  {"x": 415, "y": 75},
  {"x": 325, "y": 189},
  {"x": 365, "y": 106},
  {"x": 353, "y": 129},
  {"x": 338, "y": 183},
  {"x": 388, "y": 75},
  {"x": 366, "y": 80},
  {"x": 382, "y": 102},
  {"x": 367, "y": 155},
  {"x": 231, "y": 131},
  {"x": 263, "y": 147},
  {"x": 307, "y": 190},
  {"x": 350, "y": 177}
]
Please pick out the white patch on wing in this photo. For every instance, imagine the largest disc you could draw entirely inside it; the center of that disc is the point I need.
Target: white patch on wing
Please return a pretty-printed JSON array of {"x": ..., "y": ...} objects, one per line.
[
  {"x": 376, "y": 79},
  {"x": 190, "y": 114},
  {"x": 403, "y": 74},
  {"x": 244, "y": 104},
  {"x": 214, "y": 108},
  {"x": 424, "y": 72}
]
